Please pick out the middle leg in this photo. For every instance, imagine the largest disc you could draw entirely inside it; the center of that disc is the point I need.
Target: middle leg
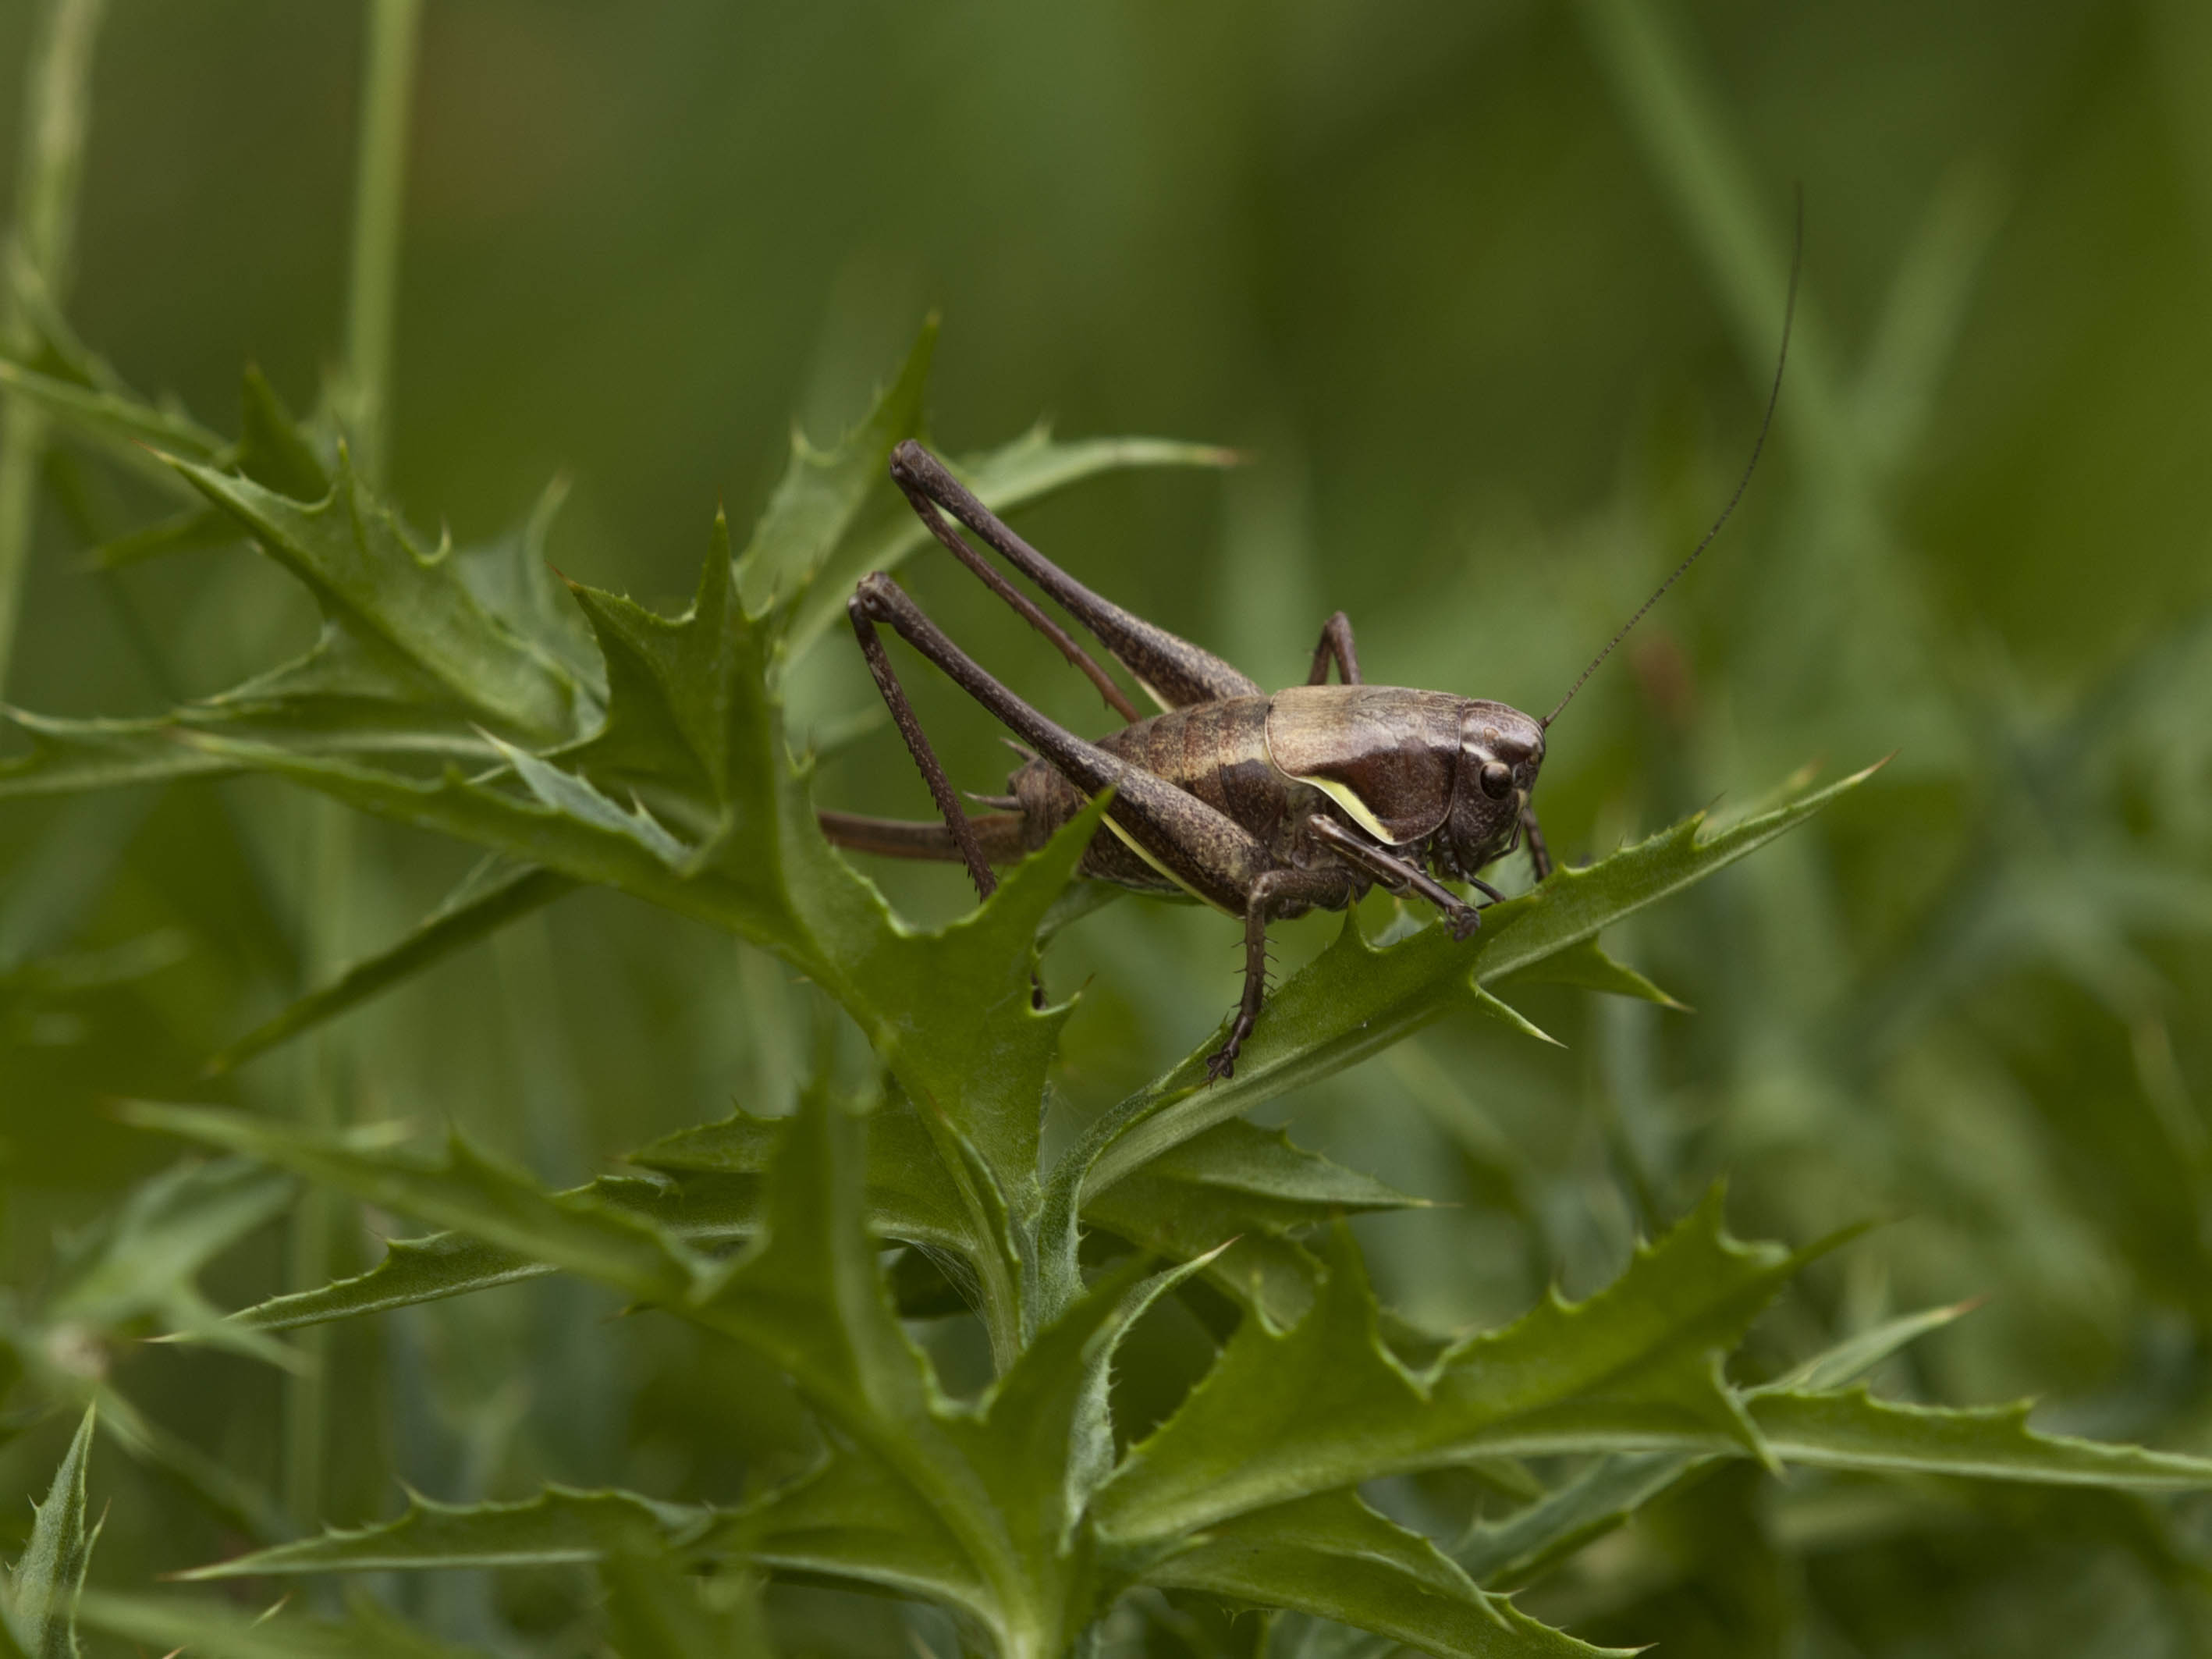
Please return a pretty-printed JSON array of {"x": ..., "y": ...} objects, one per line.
[
  {"x": 1275, "y": 892},
  {"x": 1335, "y": 646}
]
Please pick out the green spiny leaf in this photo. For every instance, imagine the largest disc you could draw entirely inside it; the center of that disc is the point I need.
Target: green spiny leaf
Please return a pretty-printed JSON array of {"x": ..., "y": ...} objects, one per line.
[
  {"x": 704, "y": 1213},
  {"x": 1355, "y": 1000},
  {"x": 809, "y": 1298},
  {"x": 465, "y": 1190},
  {"x": 1235, "y": 1182},
  {"x": 821, "y": 492},
  {"x": 48, "y": 1577},
  {"x": 1587, "y": 967},
  {"x": 1507, "y": 1553},
  {"x": 909, "y": 1195},
  {"x": 272, "y": 449},
  {"x": 404, "y": 610},
  {"x": 574, "y": 799},
  {"x": 1325, "y": 1405},
  {"x": 413, "y": 1270},
  {"x": 747, "y": 902},
  {"x": 1523, "y": 1546},
  {"x": 560, "y": 1525},
  {"x": 120, "y": 423},
  {"x": 851, "y": 1519},
  {"x": 1332, "y": 1556},
  {"x": 1862, "y": 1351},
  {"x": 1232, "y": 1180},
  {"x": 73, "y": 756},
  {"x": 1852, "y": 1430},
  {"x": 1045, "y": 1440},
  {"x": 682, "y": 691}
]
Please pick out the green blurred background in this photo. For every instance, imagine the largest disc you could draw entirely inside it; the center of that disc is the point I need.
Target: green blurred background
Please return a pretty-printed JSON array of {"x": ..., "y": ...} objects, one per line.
[{"x": 1489, "y": 292}]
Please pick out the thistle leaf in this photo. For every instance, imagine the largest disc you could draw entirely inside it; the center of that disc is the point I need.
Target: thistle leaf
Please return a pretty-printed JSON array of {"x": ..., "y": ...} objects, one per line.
[
  {"x": 1852, "y": 1430},
  {"x": 1325, "y": 1405},
  {"x": 401, "y": 606},
  {"x": 43, "y": 1586},
  {"x": 561, "y": 1526},
  {"x": 1333, "y": 1557},
  {"x": 1247, "y": 1188},
  {"x": 1356, "y": 999}
]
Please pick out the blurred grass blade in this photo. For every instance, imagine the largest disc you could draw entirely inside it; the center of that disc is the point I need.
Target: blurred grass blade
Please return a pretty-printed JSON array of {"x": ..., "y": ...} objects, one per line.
[
  {"x": 1678, "y": 118},
  {"x": 1925, "y": 313},
  {"x": 655, "y": 1609},
  {"x": 56, "y": 99},
  {"x": 496, "y": 894},
  {"x": 208, "y": 1629},
  {"x": 187, "y": 532},
  {"x": 1857, "y": 1355}
]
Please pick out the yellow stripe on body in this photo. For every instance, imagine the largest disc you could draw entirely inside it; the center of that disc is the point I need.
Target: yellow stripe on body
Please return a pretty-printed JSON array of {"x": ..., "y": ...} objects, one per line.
[
  {"x": 1344, "y": 796},
  {"x": 1136, "y": 846}
]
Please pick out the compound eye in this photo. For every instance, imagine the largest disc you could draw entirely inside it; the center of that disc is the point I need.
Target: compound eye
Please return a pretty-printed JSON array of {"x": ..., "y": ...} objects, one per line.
[{"x": 1496, "y": 780}]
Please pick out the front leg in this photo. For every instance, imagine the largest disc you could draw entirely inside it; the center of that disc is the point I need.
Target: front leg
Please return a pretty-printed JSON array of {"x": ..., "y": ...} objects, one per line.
[
  {"x": 1540, "y": 856},
  {"x": 1275, "y": 892},
  {"x": 1403, "y": 876}
]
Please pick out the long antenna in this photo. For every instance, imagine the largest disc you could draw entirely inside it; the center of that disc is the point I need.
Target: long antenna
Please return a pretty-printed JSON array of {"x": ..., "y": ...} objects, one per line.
[{"x": 1766, "y": 421}]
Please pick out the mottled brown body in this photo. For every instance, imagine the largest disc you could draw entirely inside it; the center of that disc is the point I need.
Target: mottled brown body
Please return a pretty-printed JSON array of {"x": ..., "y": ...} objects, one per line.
[
  {"x": 1376, "y": 759},
  {"x": 1215, "y": 751}
]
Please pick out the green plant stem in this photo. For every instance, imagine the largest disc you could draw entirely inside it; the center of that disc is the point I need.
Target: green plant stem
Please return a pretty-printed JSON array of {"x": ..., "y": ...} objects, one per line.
[
  {"x": 379, "y": 180},
  {"x": 57, "y": 99},
  {"x": 317, "y": 1215},
  {"x": 379, "y": 187}
]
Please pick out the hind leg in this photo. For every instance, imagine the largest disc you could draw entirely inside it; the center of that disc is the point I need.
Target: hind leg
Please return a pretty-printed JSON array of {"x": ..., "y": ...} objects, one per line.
[
  {"x": 1202, "y": 850},
  {"x": 1175, "y": 672}
]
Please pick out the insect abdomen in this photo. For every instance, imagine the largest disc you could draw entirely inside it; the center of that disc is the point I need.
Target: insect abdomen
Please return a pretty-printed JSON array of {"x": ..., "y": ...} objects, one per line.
[{"x": 1216, "y": 751}]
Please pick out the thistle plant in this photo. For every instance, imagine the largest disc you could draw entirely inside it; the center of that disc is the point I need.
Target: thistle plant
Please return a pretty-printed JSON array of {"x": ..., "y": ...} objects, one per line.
[{"x": 574, "y": 738}]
